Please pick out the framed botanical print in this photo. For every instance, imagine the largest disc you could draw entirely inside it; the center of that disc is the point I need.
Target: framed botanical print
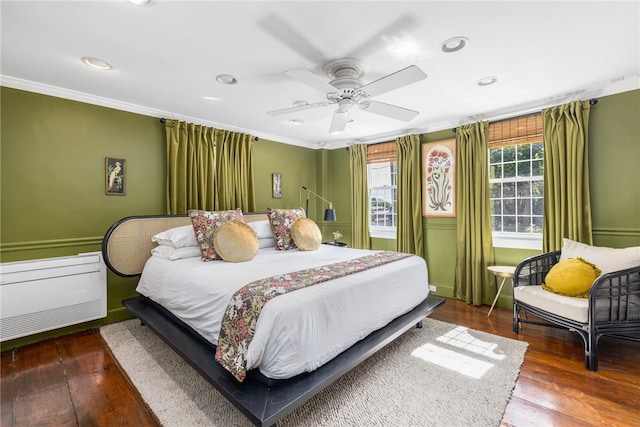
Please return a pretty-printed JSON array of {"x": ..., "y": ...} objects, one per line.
[
  {"x": 439, "y": 178},
  {"x": 115, "y": 176}
]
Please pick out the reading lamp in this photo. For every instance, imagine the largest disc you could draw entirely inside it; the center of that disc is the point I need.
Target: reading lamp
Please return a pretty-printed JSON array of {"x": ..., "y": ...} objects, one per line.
[{"x": 329, "y": 213}]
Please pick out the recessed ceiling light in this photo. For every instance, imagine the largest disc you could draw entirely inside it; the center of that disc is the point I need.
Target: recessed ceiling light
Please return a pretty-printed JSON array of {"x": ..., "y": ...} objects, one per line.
[
  {"x": 141, "y": 2},
  {"x": 296, "y": 121},
  {"x": 96, "y": 63},
  {"x": 211, "y": 98},
  {"x": 226, "y": 79},
  {"x": 454, "y": 44},
  {"x": 487, "y": 81}
]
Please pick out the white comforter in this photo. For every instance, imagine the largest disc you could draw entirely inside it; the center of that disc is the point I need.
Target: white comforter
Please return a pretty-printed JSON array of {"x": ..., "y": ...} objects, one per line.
[{"x": 299, "y": 331}]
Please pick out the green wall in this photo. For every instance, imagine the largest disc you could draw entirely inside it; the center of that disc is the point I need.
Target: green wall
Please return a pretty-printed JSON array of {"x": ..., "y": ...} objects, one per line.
[
  {"x": 614, "y": 149},
  {"x": 53, "y": 203},
  {"x": 53, "y": 181}
]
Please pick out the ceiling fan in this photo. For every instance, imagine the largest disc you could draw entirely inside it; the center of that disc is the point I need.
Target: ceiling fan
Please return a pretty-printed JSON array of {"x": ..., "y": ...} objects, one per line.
[{"x": 346, "y": 90}]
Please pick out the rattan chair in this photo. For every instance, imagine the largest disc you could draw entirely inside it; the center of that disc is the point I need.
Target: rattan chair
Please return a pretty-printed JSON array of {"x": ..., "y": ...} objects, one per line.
[{"x": 612, "y": 309}]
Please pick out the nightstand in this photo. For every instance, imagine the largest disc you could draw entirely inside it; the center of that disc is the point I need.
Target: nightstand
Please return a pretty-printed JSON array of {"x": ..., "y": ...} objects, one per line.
[{"x": 339, "y": 244}]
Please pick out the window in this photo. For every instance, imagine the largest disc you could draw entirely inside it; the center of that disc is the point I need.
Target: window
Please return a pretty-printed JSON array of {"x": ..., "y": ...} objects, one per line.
[
  {"x": 516, "y": 182},
  {"x": 382, "y": 168}
]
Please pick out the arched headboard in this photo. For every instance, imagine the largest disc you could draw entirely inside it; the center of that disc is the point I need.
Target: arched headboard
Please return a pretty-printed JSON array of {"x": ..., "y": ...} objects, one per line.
[{"x": 127, "y": 244}]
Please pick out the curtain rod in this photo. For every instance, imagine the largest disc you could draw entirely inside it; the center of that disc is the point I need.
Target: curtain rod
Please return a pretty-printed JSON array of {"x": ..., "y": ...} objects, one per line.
[
  {"x": 163, "y": 121},
  {"x": 592, "y": 101}
]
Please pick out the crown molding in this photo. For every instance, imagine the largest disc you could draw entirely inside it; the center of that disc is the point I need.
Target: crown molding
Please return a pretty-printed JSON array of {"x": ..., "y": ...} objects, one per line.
[
  {"x": 73, "y": 95},
  {"x": 620, "y": 85}
]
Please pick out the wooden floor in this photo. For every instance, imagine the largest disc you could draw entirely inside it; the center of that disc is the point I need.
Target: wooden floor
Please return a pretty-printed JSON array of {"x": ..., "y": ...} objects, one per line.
[{"x": 74, "y": 381}]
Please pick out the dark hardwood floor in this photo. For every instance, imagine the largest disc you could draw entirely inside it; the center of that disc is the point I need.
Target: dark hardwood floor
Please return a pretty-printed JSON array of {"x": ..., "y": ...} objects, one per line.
[{"x": 74, "y": 381}]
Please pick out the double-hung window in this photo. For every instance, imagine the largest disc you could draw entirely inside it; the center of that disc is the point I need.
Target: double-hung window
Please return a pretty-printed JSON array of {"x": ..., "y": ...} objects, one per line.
[
  {"x": 516, "y": 182},
  {"x": 382, "y": 178}
]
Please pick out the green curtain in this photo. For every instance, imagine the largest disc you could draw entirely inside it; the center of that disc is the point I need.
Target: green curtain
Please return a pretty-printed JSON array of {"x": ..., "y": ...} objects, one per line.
[
  {"x": 359, "y": 197},
  {"x": 190, "y": 167},
  {"x": 567, "y": 201},
  {"x": 473, "y": 216},
  {"x": 234, "y": 171},
  {"x": 409, "y": 196}
]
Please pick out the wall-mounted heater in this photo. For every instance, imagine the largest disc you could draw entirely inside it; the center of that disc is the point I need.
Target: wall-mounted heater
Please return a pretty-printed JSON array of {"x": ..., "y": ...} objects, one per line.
[{"x": 45, "y": 294}]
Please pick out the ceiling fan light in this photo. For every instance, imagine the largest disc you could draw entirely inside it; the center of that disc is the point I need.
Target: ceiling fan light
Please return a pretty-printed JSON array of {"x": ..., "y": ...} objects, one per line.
[{"x": 454, "y": 44}]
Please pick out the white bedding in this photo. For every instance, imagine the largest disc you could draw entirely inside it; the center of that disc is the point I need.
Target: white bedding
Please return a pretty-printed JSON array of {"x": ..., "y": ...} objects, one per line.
[{"x": 299, "y": 331}]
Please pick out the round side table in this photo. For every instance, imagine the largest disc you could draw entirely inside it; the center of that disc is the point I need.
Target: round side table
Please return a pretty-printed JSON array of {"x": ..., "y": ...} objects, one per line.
[{"x": 503, "y": 271}]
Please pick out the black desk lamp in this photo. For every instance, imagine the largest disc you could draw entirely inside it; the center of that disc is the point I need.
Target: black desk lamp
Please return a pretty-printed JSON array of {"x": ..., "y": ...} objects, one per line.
[{"x": 329, "y": 213}]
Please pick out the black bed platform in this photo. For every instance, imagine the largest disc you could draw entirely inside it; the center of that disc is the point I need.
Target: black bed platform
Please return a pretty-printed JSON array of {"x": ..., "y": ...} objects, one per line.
[{"x": 262, "y": 403}]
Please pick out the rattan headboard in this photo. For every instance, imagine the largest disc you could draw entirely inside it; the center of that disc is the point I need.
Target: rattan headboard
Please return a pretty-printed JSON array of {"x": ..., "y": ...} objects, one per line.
[{"x": 127, "y": 244}]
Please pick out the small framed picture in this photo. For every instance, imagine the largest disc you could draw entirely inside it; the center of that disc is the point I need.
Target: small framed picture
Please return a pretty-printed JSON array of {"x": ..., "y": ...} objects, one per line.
[
  {"x": 277, "y": 186},
  {"x": 115, "y": 176}
]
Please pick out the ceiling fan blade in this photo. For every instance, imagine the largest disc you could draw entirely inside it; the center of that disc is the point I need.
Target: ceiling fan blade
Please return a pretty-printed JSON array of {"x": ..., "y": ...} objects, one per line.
[
  {"x": 298, "y": 108},
  {"x": 339, "y": 121},
  {"x": 310, "y": 79},
  {"x": 395, "y": 30},
  {"x": 401, "y": 78},
  {"x": 289, "y": 36},
  {"x": 389, "y": 110}
]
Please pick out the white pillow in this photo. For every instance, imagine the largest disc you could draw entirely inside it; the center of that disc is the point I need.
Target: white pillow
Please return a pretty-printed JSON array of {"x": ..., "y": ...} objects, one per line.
[
  {"x": 173, "y": 254},
  {"x": 267, "y": 242},
  {"x": 177, "y": 237},
  {"x": 606, "y": 259},
  {"x": 262, "y": 229}
]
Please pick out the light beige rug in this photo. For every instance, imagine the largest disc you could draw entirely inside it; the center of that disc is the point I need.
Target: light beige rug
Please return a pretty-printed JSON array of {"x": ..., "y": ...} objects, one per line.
[{"x": 441, "y": 375}]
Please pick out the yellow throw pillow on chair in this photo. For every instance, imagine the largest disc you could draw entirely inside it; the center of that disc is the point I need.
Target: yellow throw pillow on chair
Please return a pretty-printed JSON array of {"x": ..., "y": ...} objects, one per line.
[{"x": 572, "y": 278}]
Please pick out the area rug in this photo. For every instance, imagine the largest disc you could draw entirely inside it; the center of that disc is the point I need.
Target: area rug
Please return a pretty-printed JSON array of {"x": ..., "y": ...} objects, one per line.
[{"x": 440, "y": 375}]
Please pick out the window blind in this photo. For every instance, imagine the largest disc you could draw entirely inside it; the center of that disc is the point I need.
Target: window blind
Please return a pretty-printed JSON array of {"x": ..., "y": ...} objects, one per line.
[
  {"x": 381, "y": 152},
  {"x": 519, "y": 130}
]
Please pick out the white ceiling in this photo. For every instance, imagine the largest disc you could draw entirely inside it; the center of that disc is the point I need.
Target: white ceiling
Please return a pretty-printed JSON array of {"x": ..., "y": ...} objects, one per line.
[{"x": 166, "y": 57}]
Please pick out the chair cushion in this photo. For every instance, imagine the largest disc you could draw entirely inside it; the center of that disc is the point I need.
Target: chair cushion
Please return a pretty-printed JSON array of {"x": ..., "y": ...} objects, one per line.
[
  {"x": 235, "y": 241},
  {"x": 606, "y": 259},
  {"x": 306, "y": 234},
  {"x": 572, "y": 308},
  {"x": 571, "y": 277}
]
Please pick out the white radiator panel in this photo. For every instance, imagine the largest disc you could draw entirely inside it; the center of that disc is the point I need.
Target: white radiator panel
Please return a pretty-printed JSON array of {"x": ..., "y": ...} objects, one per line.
[{"x": 41, "y": 295}]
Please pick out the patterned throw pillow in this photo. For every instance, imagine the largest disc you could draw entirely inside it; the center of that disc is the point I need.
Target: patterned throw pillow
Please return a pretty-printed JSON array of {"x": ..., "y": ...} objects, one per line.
[
  {"x": 205, "y": 223},
  {"x": 281, "y": 221}
]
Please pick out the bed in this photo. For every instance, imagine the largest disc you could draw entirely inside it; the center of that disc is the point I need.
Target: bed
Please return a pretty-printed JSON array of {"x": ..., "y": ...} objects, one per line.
[{"x": 304, "y": 340}]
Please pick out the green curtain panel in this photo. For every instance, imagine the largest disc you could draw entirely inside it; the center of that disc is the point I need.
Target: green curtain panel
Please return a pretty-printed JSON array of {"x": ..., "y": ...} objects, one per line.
[
  {"x": 234, "y": 171},
  {"x": 190, "y": 167},
  {"x": 359, "y": 197},
  {"x": 473, "y": 216},
  {"x": 409, "y": 226},
  {"x": 567, "y": 201}
]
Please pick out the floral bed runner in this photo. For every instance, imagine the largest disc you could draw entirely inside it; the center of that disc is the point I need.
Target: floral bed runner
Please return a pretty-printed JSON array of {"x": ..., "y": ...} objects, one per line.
[{"x": 241, "y": 315}]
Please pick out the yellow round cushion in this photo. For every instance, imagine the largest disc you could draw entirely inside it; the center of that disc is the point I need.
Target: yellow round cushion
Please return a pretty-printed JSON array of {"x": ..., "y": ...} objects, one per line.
[
  {"x": 235, "y": 241},
  {"x": 306, "y": 234},
  {"x": 572, "y": 277}
]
